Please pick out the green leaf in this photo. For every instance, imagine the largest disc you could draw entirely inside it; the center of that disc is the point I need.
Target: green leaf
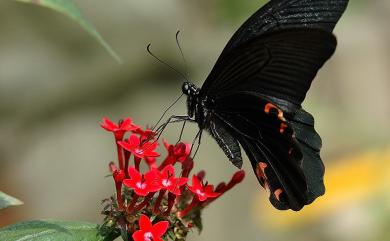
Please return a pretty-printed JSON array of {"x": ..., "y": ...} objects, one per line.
[
  {"x": 69, "y": 8},
  {"x": 197, "y": 219},
  {"x": 6, "y": 201},
  {"x": 52, "y": 230}
]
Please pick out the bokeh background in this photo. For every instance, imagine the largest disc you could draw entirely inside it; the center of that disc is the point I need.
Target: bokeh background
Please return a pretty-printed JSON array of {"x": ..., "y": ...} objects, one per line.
[{"x": 56, "y": 83}]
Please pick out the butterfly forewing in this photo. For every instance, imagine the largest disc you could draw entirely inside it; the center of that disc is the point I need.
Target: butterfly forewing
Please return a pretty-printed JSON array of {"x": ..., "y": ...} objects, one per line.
[
  {"x": 282, "y": 64},
  {"x": 288, "y": 14}
]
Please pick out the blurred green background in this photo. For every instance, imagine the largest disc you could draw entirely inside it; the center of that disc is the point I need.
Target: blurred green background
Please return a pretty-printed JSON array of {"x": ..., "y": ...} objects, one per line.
[{"x": 57, "y": 82}]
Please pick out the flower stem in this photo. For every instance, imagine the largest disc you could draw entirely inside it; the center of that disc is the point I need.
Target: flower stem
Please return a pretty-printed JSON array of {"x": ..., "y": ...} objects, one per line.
[
  {"x": 189, "y": 207},
  {"x": 187, "y": 166},
  {"x": 137, "y": 162},
  {"x": 144, "y": 203},
  {"x": 156, "y": 208},
  {"x": 171, "y": 202},
  {"x": 169, "y": 160},
  {"x": 119, "y": 199},
  {"x": 120, "y": 156},
  {"x": 130, "y": 208},
  {"x": 127, "y": 168}
]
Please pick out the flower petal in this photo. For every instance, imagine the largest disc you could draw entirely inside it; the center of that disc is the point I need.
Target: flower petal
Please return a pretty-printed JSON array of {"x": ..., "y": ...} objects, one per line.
[
  {"x": 209, "y": 191},
  {"x": 202, "y": 197},
  {"x": 168, "y": 171},
  {"x": 166, "y": 144},
  {"x": 145, "y": 224},
  {"x": 196, "y": 183},
  {"x": 150, "y": 146},
  {"x": 153, "y": 187},
  {"x": 160, "y": 228},
  {"x": 108, "y": 125},
  {"x": 151, "y": 153},
  {"x": 128, "y": 183},
  {"x": 141, "y": 192},
  {"x": 134, "y": 140},
  {"x": 139, "y": 235},
  {"x": 152, "y": 175},
  {"x": 175, "y": 190},
  {"x": 126, "y": 124},
  {"x": 181, "y": 181},
  {"x": 134, "y": 174},
  {"x": 127, "y": 146},
  {"x": 192, "y": 189}
]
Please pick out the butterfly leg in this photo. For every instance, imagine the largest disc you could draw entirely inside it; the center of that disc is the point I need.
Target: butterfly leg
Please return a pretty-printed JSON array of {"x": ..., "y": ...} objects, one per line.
[
  {"x": 199, "y": 137},
  {"x": 172, "y": 119},
  {"x": 182, "y": 130}
]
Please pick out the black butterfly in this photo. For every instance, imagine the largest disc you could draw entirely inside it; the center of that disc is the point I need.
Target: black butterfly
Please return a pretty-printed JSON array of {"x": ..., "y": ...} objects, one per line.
[{"x": 253, "y": 96}]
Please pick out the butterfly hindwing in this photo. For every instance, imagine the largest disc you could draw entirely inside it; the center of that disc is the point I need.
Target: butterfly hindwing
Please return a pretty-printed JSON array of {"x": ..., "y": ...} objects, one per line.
[
  {"x": 268, "y": 140},
  {"x": 310, "y": 142},
  {"x": 286, "y": 187}
]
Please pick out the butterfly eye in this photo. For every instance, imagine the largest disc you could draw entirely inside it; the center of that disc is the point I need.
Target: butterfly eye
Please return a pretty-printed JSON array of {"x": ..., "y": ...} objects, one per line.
[{"x": 186, "y": 88}]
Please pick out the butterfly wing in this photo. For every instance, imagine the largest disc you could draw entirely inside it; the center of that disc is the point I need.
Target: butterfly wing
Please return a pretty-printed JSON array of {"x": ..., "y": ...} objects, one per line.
[
  {"x": 273, "y": 17},
  {"x": 258, "y": 85},
  {"x": 275, "y": 144},
  {"x": 226, "y": 141},
  {"x": 288, "y": 14},
  {"x": 310, "y": 143},
  {"x": 280, "y": 64}
]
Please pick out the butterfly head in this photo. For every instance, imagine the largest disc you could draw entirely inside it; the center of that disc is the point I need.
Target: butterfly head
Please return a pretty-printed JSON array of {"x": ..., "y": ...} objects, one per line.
[
  {"x": 192, "y": 93},
  {"x": 189, "y": 89}
]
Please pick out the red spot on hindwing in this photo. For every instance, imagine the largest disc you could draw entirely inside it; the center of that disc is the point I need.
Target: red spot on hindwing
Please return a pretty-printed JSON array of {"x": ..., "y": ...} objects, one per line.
[
  {"x": 268, "y": 107},
  {"x": 260, "y": 173},
  {"x": 282, "y": 128},
  {"x": 277, "y": 193}
]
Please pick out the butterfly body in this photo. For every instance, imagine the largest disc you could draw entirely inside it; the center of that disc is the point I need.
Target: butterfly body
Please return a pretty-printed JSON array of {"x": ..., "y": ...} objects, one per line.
[{"x": 252, "y": 97}]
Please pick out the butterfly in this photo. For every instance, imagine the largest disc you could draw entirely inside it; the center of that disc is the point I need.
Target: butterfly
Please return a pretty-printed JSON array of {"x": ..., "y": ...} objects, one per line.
[{"x": 252, "y": 97}]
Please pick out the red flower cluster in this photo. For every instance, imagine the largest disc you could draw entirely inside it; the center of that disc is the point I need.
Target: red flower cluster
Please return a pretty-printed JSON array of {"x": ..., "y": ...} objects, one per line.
[{"x": 157, "y": 193}]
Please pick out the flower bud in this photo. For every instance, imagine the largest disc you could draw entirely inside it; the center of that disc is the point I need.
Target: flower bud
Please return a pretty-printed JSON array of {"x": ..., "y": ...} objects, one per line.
[
  {"x": 119, "y": 176},
  {"x": 238, "y": 177}
]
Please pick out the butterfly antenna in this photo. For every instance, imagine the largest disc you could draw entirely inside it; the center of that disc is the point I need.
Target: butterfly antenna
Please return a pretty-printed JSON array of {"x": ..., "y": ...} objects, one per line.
[
  {"x": 165, "y": 63},
  {"x": 163, "y": 114},
  {"x": 181, "y": 52}
]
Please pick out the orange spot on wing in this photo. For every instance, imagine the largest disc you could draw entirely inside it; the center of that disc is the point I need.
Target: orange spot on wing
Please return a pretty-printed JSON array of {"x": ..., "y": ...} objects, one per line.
[
  {"x": 266, "y": 186},
  {"x": 283, "y": 126},
  {"x": 269, "y": 106},
  {"x": 260, "y": 173},
  {"x": 277, "y": 193}
]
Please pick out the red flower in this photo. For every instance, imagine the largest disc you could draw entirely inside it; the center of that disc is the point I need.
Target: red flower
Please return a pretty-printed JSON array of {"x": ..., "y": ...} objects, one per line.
[
  {"x": 142, "y": 184},
  {"x": 148, "y": 231},
  {"x": 133, "y": 145},
  {"x": 168, "y": 181},
  {"x": 146, "y": 134},
  {"x": 202, "y": 191},
  {"x": 180, "y": 151},
  {"x": 119, "y": 129}
]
